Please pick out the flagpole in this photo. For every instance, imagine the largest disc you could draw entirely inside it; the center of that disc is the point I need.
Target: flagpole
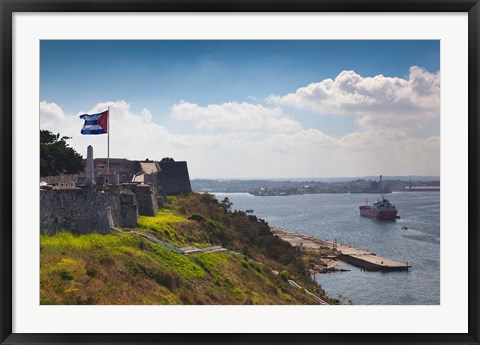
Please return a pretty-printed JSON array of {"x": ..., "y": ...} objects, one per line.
[{"x": 108, "y": 140}]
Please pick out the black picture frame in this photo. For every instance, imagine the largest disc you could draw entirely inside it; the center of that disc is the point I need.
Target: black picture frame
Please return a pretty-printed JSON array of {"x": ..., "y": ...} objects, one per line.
[{"x": 8, "y": 7}]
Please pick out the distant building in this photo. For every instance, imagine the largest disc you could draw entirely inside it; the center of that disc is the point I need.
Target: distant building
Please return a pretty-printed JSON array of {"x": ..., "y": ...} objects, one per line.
[{"x": 423, "y": 188}]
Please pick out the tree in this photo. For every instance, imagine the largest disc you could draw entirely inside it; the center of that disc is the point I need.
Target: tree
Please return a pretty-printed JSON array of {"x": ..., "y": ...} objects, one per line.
[
  {"x": 227, "y": 205},
  {"x": 56, "y": 157}
]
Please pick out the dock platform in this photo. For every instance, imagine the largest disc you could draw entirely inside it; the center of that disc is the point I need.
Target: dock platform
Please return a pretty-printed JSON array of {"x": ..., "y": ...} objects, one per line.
[{"x": 362, "y": 258}]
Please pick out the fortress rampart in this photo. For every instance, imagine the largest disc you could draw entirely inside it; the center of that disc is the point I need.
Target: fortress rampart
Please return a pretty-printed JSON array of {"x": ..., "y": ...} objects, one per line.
[
  {"x": 94, "y": 209},
  {"x": 173, "y": 178},
  {"x": 80, "y": 209},
  {"x": 95, "y": 201},
  {"x": 145, "y": 197}
]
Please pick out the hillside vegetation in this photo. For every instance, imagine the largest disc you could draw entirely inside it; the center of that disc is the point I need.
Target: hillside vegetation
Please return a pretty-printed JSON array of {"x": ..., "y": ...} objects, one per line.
[{"x": 125, "y": 268}]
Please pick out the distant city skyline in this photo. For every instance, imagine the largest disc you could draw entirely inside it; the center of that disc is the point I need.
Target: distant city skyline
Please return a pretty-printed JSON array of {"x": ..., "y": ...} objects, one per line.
[{"x": 252, "y": 109}]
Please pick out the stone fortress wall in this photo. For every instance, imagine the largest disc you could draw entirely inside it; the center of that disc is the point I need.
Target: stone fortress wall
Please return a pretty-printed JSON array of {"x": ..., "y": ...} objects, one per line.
[
  {"x": 80, "y": 209},
  {"x": 93, "y": 207},
  {"x": 96, "y": 208},
  {"x": 173, "y": 178},
  {"x": 146, "y": 198}
]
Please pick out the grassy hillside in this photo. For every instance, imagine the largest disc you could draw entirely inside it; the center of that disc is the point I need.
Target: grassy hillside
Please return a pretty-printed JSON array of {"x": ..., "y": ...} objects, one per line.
[{"x": 125, "y": 268}]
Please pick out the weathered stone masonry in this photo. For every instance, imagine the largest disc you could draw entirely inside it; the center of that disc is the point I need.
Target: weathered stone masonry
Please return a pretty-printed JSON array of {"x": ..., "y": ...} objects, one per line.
[
  {"x": 81, "y": 210},
  {"x": 91, "y": 209},
  {"x": 173, "y": 178},
  {"x": 144, "y": 195},
  {"x": 97, "y": 207}
]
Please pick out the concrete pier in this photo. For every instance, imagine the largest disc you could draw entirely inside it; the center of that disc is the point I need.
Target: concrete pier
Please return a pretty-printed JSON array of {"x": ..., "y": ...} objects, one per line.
[{"x": 362, "y": 258}]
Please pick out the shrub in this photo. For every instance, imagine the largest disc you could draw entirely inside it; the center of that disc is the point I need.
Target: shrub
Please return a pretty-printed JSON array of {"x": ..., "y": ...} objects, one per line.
[
  {"x": 284, "y": 275},
  {"x": 196, "y": 217},
  {"x": 91, "y": 272},
  {"x": 65, "y": 274}
]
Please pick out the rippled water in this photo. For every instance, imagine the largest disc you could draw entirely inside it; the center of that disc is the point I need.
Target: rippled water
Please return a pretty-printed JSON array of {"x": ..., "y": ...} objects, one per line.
[{"x": 336, "y": 216}]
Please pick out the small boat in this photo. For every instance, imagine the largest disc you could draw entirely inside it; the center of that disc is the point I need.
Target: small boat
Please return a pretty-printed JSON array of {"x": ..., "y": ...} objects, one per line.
[
  {"x": 249, "y": 211},
  {"x": 381, "y": 209}
]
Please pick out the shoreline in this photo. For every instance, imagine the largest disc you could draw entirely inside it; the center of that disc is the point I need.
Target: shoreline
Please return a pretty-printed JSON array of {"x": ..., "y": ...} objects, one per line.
[
  {"x": 325, "y": 264},
  {"x": 362, "y": 258}
]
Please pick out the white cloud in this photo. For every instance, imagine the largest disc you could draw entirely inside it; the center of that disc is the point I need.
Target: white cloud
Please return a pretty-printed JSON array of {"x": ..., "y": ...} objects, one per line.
[
  {"x": 50, "y": 114},
  {"x": 127, "y": 130},
  {"x": 390, "y": 152},
  {"x": 237, "y": 117},
  {"x": 238, "y": 152},
  {"x": 378, "y": 102}
]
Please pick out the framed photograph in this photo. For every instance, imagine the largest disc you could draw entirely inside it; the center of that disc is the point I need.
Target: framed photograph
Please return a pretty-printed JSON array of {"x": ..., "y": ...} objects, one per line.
[{"x": 239, "y": 172}]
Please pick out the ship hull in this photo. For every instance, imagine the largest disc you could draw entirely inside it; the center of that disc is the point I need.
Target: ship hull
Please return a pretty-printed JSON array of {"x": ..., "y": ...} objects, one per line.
[{"x": 370, "y": 212}]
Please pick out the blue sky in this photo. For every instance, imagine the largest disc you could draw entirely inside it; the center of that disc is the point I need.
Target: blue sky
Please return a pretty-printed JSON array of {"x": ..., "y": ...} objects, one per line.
[{"x": 201, "y": 95}]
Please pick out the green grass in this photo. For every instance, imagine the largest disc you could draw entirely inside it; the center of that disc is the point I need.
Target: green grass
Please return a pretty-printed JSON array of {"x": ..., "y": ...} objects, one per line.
[
  {"x": 69, "y": 240},
  {"x": 164, "y": 224},
  {"x": 107, "y": 269},
  {"x": 179, "y": 263},
  {"x": 124, "y": 268},
  {"x": 164, "y": 219}
]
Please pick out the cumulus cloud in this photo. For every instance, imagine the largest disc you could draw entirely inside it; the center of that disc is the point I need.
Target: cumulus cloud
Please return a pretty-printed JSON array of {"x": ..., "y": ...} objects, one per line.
[
  {"x": 50, "y": 114},
  {"x": 233, "y": 116},
  {"x": 127, "y": 130},
  {"x": 390, "y": 151},
  {"x": 264, "y": 149},
  {"x": 378, "y": 102}
]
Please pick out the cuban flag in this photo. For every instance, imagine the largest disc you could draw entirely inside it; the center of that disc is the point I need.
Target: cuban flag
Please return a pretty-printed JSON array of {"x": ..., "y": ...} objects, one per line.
[{"x": 95, "y": 124}]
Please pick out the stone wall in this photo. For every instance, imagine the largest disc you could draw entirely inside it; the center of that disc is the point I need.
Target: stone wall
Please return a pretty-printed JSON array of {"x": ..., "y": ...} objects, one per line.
[
  {"x": 85, "y": 210},
  {"x": 173, "y": 178},
  {"x": 145, "y": 198},
  {"x": 128, "y": 209},
  {"x": 147, "y": 203},
  {"x": 98, "y": 208}
]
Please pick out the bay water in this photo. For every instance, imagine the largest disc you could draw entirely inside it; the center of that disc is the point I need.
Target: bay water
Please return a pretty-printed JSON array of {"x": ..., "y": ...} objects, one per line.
[{"x": 413, "y": 238}]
